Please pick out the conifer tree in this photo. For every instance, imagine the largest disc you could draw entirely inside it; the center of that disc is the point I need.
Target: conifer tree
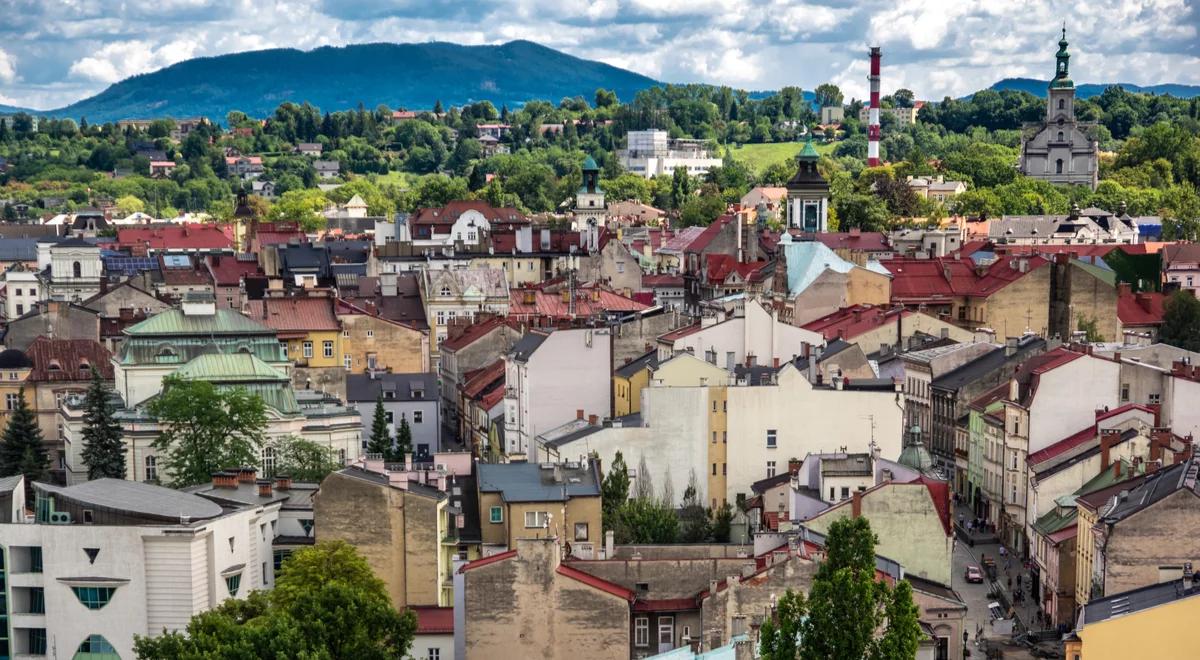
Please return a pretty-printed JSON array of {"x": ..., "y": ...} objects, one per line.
[
  {"x": 381, "y": 439},
  {"x": 403, "y": 439},
  {"x": 21, "y": 448},
  {"x": 103, "y": 449}
]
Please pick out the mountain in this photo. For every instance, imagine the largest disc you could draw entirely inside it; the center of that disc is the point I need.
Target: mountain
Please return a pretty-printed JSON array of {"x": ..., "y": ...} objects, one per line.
[
  {"x": 12, "y": 110},
  {"x": 1088, "y": 90},
  {"x": 411, "y": 76}
]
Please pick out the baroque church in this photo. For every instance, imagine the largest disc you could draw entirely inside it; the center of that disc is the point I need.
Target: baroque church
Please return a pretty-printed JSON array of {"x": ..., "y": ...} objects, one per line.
[{"x": 1059, "y": 149}]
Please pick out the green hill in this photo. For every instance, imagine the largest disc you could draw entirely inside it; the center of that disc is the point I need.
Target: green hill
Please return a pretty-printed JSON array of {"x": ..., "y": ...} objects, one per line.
[{"x": 412, "y": 76}]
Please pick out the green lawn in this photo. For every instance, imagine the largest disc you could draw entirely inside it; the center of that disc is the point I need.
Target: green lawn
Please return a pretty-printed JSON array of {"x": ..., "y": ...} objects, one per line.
[
  {"x": 402, "y": 179},
  {"x": 759, "y": 157}
]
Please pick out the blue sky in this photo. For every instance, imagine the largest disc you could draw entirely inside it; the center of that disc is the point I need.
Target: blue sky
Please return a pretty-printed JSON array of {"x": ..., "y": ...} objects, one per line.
[{"x": 53, "y": 52}]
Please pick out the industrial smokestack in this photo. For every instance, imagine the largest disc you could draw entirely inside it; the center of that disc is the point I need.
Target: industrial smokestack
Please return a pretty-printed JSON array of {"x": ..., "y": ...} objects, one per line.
[{"x": 873, "y": 118}]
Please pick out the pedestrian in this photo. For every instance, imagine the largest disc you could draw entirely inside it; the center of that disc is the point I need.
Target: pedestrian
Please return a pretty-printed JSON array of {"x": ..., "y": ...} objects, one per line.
[{"x": 1010, "y": 583}]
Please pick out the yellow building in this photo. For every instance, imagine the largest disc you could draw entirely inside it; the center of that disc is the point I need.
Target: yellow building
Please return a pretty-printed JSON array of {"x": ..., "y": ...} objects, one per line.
[
  {"x": 519, "y": 270},
  {"x": 407, "y": 534},
  {"x": 687, "y": 370},
  {"x": 540, "y": 500},
  {"x": 370, "y": 342},
  {"x": 628, "y": 382},
  {"x": 307, "y": 328},
  {"x": 14, "y": 370},
  {"x": 1151, "y": 622}
]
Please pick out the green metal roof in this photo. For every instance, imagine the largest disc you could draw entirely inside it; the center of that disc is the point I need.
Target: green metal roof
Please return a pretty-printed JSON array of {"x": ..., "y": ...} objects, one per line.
[
  {"x": 161, "y": 349},
  {"x": 1102, "y": 274},
  {"x": 235, "y": 367},
  {"x": 1055, "y": 520},
  {"x": 590, "y": 164},
  {"x": 809, "y": 152},
  {"x": 175, "y": 322}
]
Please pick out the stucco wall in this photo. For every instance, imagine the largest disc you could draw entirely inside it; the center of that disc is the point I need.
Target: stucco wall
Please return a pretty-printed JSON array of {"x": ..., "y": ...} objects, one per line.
[
  {"x": 751, "y": 598},
  {"x": 1061, "y": 407},
  {"x": 1161, "y": 535}
]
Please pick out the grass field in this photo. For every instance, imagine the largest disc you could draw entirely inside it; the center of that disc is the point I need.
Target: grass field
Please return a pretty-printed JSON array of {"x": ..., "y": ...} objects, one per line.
[
  {"x": 759, "y": 157},
  {"x": 402, "y": 179}
]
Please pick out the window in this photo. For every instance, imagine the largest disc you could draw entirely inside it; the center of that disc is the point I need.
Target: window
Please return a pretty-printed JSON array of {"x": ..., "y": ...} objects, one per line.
[
  {"x": 1155, "y": 398},
  {"x": 308, "y": 349},
  {"x": 279, "y": 557},
  {"x": 771, "y": 438},
  {"x": 37, "y": 636},
  {"x": 346, "y": 333},
  {"x": 18, "y": 292},
  {"x": 1062, "y": 104},
  {"x": 435, "y": 653},
  {"x": 441, "y": 318},
  {"x": 284, "y": 349},
  {"x": 714, "y": 436},
  {"x": 714, "y": 405},
  {"x": 347, "y": 361},
  {"x": 371, "y": 361},
  {"x": 11, "y": 401},
  {"x": 37, "y": 600},
  {"x": 77, "y": 269},
  {"x": 232, "y": 583},
  {"x": 370, "y": 334},
  {"x": 94, "y": 598},
  {"x": 268, "y": 461},
  {"x": 714, "y": 470},
  {"x": 845, "y": 492},
  {"x": 20, "y": 309},
  {"x": 1058, "y": 164},
  {"x": 536, "y": 519},
  {"x": 1060, "y": 136},
  {"x": 620, "y": 266},
  {"x": 770, "y": 469},
  {"x": 724, "y": 469},
  {"x": 328, "y": 348},
  {"x": 581, "y": 531},
  {"x": 418, "y": 416},
  {"x": 641, "y": 631},
  {"x": 445, "y": 291},
  {"x": 496, "y": 515},
  {"x": 1124, "y": 392},
  {"x": 95, "y": 646},
  {"x": 151, "y": 463}
]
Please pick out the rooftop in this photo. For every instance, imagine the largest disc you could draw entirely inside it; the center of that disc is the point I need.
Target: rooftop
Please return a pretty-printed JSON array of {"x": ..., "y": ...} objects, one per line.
[
  {"x": 527, "y": 345},
  {"x": 294, "y": 314},
  {"x": 534, "y": 482},
  {"x": 392, "y": 387},
  {"x": 175, "y": 322},
  {"x": 136, "y": 498},
  {"x": 1136, "y": 600}
]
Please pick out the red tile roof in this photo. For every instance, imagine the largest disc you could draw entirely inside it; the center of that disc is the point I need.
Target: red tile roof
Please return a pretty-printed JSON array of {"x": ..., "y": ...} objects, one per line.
[
  {"x": 588, "y": 302},
  {"x": 480, "y": 380},
  {"x": 709, "y": 234},
  {"x": 939, "y": 492},
  {"x": 179, "y": 237},
  {"x": 869, "y": 241},
  {"x": 593, "y": 581},
  {"x": 448, "y": 214},
  {"x": 1141, "y": 308},
  {"x": 294, "y": 316},
  {"x": 67, "y": 356},
  {"x": 720, "y": 266},
  {"x": 229, "y": 271},
  {"x": 434, "y": 620},
  {"x": 933, "y": 280},
  {"x": 1064, "y": 445},
  {"x": 662, "y": 281},
  {"x": 508, "y": 554},
  {"x": 852, "y": 321},
  {"x": 473, "y": 332}
]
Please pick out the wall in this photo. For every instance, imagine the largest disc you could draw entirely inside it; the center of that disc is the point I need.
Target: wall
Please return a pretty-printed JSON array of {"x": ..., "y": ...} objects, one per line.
[
  {"x": 426, "y": 432},
  {"x": 757, "y": 333},
  {"x": 396, "y": 347},
  {"x": 944, "y": 616},
  {"x": 627, "y": 392},
  {"x": 1161, "y": 535},
  {"x": 570, "y": 371},
  {"x": 1060, "y": 407},
  {"x": 634, "y": 338},
  {"x": 686, "y": 370},
  {"x": 522, "y": 607},
  {"x": 1158, "y": 632},
  {"x": 1093, "y": 298},
  {"x": 1019, "y": 306},
  {"x": 751, "y": 599},
  {"x": 904, "y": 518},
  {"x": 295, "y": 349}
]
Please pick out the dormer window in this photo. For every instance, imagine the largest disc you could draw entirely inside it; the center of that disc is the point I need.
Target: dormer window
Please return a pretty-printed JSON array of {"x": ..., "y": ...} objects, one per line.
[
  {"x": 445, "y": 291},
  {"x": 54, "y": 366}
]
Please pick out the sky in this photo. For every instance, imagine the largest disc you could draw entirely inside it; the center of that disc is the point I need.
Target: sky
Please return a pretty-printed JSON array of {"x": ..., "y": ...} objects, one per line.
[{"x": 54, "y": 52}]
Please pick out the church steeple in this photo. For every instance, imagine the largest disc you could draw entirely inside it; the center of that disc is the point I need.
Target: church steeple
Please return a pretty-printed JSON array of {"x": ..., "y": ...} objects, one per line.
[{"x": 1061, "y": 75}]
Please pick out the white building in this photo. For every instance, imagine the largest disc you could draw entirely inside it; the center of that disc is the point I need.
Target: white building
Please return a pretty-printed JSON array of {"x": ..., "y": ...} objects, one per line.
[
  {"x": 461, "y": 293},
  {"x": 653, "y": 152},
  {"x": 549, "y": 377},
  {"x": 755, "y": 335},
  {"x": 22, "y": 291},
  {"x": 75, "y": 268},
  {"x": 109, "y": 559}
]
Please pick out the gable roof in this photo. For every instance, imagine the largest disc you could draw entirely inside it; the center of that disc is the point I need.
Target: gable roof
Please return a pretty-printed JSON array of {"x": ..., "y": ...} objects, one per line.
[
  {"x": 67, "y": 355},
  {"x": 1141, "y": 308},
  {"x": 189, "y": 237},
  {"x": 294, "y": 315},
  {"x": 449, "y": 214},
  {"x": 850, "y": 322},
  {"x": 174, "y": 322},
  {"x": 530, "y": 482}
]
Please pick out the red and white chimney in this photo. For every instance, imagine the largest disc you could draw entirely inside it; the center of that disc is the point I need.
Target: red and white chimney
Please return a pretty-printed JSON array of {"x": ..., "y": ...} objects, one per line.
[{"x": 873, "y": 117}]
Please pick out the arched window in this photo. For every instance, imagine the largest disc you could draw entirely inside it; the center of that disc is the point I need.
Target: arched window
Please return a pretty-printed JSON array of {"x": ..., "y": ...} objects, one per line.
[
  {"x": 95, "y": 646},
  {"x": 445, "y": 291},
  {"x": 1058, "y": 166},
  {"x": 1060, "y": 136},
  {"x": 77, "y": 269},
  {"x": 1062, "y": 104}
]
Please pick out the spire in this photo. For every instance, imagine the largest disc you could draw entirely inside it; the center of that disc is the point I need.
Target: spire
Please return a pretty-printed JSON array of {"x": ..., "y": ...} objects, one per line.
[
  {"x": 1061, "y": 78},
  {"x": 809, "y": 152}
]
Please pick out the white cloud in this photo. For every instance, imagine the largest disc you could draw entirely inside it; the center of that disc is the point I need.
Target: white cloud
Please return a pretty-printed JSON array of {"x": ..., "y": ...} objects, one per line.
[
  {"x": 117, "y": 61},
  {"x": 8, "y": 68}
]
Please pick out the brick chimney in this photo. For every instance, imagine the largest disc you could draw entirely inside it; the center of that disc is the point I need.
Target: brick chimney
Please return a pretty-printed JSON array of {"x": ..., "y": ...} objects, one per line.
[
  {"x": 224, "y": 479},
  {"x": 1124, "y": 289},
  {"x": 856, "y": 504},
  {"x": 283, "y": 482},
  {"x": 794, "y": 465},
  {"x": 1108, "y": 439},
  {"x": 593, "y": 420},
  {"x": 579, "y": 413},
  {"x": 1116, "y": 470},
  {"x": 264, "y": 487},
  {"x": 246, "y": 474}
]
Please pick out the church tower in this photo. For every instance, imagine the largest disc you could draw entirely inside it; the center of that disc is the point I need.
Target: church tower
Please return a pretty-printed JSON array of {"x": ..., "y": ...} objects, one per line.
[
  {"x": 1060, "y": 102},
  {"x": 808, "y": 193},
  {"x": 589, "y": 199}
]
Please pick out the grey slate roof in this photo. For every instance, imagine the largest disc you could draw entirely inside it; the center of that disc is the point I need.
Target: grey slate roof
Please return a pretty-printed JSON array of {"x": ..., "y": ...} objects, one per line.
[
  {"x": 650, "y": 359},
  {"x": 1136, "y": 600},
  {"x": 985, "y": 364},
  {"x": 136, "y": 498},
  {"x": 530, "y": 482},
  {"x": 1160, "y": 485},
  {"x": 363, "y": 388},
  {"x": 850, "y": 466},
  {"x": 525, "y": 347},
  {"x": 18, "y": 249}
]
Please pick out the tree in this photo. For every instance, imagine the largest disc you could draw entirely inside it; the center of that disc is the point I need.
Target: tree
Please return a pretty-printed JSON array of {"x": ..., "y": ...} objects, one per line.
[
  {"x": 780, "y": 636},
  {"x": 701, "y": 210},
  {"x": 903, "y": 98},
  {"x": 206, "y": 429},
  {"x": 21, "y": 447},
  {"x": 103, "y": 448},
  {"x": 694, "y": 525},
  {"x": 381, "y": 439},
  {"x": 404, "y": 445},
  {"x": 303, "y": 206},
  {"x": 128, "y": 205},
  {"x": 722, "y": 521},
  {"x": 827, "y": 95},
  {"x": 605, "y": 98},
  {"x": 1090, "y": 328},
  {"x": 377, "y": 202},
  {"x": 1181, "y": 321},
  {"x": 327, "y": 603},
  {"x": 850, "y": 613},
  {"x": 614, "y": 491},
  {"x": 435, "y": 191},
  {"x": 303, "y": 460}
]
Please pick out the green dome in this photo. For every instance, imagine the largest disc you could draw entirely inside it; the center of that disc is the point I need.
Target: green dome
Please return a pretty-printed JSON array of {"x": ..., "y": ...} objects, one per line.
[
  {"x": 809, "y": 152},
  {"x": 590, "y": 164},
  {"x": 914, "y": 455}
]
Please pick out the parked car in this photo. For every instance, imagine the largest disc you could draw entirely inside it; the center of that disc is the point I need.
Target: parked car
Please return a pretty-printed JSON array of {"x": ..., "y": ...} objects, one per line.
[{"x": 973, "y": 575}]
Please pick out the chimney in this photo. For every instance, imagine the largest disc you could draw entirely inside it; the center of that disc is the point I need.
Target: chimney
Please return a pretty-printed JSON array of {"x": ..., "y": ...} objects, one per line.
[
  {"x": 528, "y": 297},
  {"x": 246, "y": 474},
  {"x": 264, "y": 487},
  {"x": 126, "y": 314},
  {"x": 283, "y": 482},
  {"x": 593, "y": 420},
  {"x": 856, "y": 504},
  {"x": 1123, "y": 289},
  {"x": 579, "y": 413},
  {"x": 224, "y": 479},
  {"x": 1117, "y": 469},
  {"x": 408, "y": 462},
  {"x": 794, "y": 466},
  {"x": 775, "y": 363},
  {"x": 1108, "y": 439},
  {"x": 566, "y": 295}
]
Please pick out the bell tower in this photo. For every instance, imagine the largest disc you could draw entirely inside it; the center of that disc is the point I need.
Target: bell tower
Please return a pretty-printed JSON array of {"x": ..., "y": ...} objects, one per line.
[
  {"x": 590, "y": 210},
  {"x": 1060, "y": 102},
  {"x": 808, "y": 193}
]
